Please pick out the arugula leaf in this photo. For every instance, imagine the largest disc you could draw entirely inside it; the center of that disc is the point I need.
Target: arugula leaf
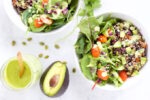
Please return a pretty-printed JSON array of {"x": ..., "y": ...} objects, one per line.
[
  {"x": 83, "y": 45},
  {"x": 108, "y": 24},
  {"x": 87, "y": 25},
  {"x": 92, "y": 62},
  {"x": 86, "y": 70},
  {"x": 80, "y": 45},
  {"x": 100, "y": 19}
]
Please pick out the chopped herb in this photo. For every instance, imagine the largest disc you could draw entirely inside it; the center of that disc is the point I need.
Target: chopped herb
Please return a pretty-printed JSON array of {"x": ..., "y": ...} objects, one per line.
[
  {"x": 42, "y": 43},
  {"x": 29, "y": 39},
  {"x": 57, "y": 46},
  {"x": 40, "y": 55},
  {"x": 24, "y": 43},
  {"x": 46, "y": 57},
  {"x": 13, "y": 43},
  {"x": 74, "y": 70},
  {"x": 46, "y": 47}
]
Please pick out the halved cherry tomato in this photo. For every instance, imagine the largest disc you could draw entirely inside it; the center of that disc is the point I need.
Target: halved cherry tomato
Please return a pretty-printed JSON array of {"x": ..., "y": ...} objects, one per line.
[
  {"x": 95, "y": 51},
  {"x": 102, "y": 39},
  {"x": 102, "y": 75},
  {"x": 44, "y": 1},
  {"x": 38, "y": 23},
  {"x": 123, "y": 75}
]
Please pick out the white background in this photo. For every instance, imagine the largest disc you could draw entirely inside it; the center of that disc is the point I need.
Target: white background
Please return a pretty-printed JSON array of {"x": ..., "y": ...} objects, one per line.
[{"x": 78, "y": 88}]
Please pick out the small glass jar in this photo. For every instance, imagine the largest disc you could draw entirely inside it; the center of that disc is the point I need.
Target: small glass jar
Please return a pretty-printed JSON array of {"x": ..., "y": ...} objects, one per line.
[{"x": 33, "y": 64}]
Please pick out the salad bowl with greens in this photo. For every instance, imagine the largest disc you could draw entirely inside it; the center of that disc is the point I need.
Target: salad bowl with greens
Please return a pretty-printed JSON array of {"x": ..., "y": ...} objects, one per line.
[
  {"x": 112, "y": 50},
  {"x": 41, "y": 16}
]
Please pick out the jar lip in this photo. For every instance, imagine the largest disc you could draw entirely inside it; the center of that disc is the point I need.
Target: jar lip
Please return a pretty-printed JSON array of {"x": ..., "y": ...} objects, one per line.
[{"x": 5, "y": 84}]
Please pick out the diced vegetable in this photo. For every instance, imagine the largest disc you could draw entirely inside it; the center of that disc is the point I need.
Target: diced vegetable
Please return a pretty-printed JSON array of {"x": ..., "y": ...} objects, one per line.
[
  {"x": 143, "y": 60},
  {"x": 102, "y": 39},
  {"x": 102, "y": 75},
  {"x": 117, "y": 44},
  {"x": 38, "y": 23},
  {"x": 123, "y": 75},
  {"x": 45, "y": 2},
  {"x": 128, "y": 50},
  {"x": 95, "y": 51},
  {"x": 122, "y": 34},
  {"x": 123, "y": 60}
]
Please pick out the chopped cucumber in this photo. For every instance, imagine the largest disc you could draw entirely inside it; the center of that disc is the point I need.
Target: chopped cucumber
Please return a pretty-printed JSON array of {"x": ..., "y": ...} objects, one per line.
[
  {"x": 132, "y": 28},
  {"x": 117, "y": 44},
  {"x": 123, "y": 59},
  {"x": 135, "y": 73},
  {"x": 143, "y": 60},
  {"x": 122, "y": 34},
  {"x": 139, "y": 52},
  {"x": 135, "y": 32},
  {"x": 128, "y": 50},
  {"x": 127, "y": 24},
  {"x": 134, "y": 38}
]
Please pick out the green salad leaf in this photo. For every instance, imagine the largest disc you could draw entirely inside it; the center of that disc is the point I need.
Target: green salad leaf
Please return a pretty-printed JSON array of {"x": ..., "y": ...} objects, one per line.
[
  {"x": 86, "y": 70},
  {"x": 26, "y": 15}
]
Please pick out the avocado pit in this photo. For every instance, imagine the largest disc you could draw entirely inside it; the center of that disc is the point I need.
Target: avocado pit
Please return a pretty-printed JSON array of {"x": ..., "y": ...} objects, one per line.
[{"x": 54, "y": 80}]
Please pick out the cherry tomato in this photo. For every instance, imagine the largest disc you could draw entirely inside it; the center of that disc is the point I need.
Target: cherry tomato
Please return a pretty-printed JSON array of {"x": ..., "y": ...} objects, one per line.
[
  {"x": 95, "y": 51},
  {"x": 38, "y": 23},
  {"x": 102, "y": 75},
  {"x": 102, "y": 39},
  {"x": 123, "y": 75},
  {"x": 45, "y": 1}
]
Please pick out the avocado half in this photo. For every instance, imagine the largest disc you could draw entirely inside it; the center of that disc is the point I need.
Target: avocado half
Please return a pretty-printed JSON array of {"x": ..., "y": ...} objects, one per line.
[{"x": 55, "y": 79}]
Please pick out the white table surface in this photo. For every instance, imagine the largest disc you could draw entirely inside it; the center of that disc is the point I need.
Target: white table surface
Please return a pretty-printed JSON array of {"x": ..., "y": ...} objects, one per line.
[{"x": 78, "y": 88}]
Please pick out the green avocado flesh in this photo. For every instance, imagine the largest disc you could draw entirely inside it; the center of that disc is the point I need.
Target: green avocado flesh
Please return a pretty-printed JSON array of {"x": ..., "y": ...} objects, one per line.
[
  {"x": 11, "y": 74},
  {"x": 54, "y": 78}
]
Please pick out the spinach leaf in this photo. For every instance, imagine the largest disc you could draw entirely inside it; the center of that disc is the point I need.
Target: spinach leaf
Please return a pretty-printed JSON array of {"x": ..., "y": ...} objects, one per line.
[
  {"x": 88, "y": 66},
  {"x": 83, "y": 45},
  {"x": 34, "y": 29},
  {"x": 25, "y": 15}
]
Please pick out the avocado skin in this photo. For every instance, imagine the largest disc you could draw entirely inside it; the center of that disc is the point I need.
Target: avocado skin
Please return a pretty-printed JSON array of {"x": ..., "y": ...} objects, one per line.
[{"x": 65, "y": 83}]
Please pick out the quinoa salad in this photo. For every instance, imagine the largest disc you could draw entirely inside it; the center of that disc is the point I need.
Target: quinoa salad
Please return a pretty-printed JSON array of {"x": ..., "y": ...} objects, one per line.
[
  {"x": 45, "y": 15},
  {"x": 110, "y": 50}
]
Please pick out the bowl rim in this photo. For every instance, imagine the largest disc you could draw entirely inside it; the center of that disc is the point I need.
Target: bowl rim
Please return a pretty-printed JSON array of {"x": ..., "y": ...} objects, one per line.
[
  {"x": 126, "y": 85},
  {"x": 8, "y": 7}
]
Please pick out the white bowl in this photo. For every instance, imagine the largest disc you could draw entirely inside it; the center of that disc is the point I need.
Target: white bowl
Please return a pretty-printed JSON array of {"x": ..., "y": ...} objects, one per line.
[
  {"x": 16, "y": 19},
  {"x": 130, "y": 81}
]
